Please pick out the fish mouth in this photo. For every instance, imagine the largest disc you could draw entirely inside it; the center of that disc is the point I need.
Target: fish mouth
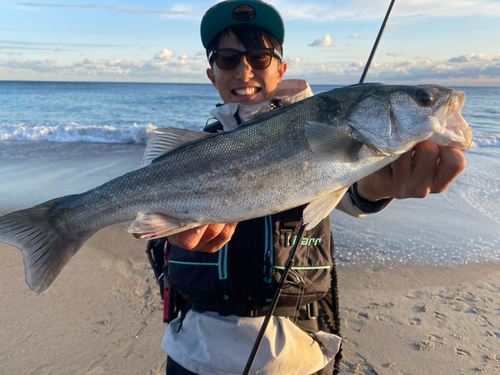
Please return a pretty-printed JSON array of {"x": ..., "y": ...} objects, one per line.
[{"x": 454, "y": 132}]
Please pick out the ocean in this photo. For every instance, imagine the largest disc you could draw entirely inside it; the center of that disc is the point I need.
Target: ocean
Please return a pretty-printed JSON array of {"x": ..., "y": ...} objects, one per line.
[{"x": 59, "y": 138}]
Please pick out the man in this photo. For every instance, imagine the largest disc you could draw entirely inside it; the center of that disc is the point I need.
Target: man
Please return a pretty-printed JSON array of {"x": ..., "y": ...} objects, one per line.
[{"x": 224, "y": 275}]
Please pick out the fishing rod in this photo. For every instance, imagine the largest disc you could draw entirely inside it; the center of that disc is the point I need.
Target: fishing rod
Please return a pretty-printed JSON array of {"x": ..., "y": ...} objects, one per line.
[
  {"x": 377, "y": 41},
  {"x": 291, "y": 257},
  {"x": 274, "y": 302}
]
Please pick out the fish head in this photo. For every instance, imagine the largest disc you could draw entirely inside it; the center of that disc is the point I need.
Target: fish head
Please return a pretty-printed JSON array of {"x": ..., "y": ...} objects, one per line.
[{"x": 395, "y": 118}]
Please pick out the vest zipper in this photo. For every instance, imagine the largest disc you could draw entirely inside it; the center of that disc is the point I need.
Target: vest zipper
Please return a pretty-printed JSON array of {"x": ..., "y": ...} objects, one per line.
[
  {"x": 268, "y": 268},
  {"x": 223, "y": 262}
]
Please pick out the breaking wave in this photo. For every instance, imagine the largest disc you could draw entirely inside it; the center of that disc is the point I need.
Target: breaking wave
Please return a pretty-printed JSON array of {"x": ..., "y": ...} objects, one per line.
[
  {"x": 492, "y": 140},
  {"x": 73, "y": 132},
  {"x": 133, "y": 134}
]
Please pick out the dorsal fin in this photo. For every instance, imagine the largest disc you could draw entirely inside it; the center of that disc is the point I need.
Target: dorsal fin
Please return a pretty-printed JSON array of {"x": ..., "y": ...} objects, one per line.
[{"x": 164, "y": 140}]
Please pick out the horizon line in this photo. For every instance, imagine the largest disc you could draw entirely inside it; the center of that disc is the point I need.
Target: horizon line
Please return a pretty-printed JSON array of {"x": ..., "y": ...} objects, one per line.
[{"x": 494, "y": 85}]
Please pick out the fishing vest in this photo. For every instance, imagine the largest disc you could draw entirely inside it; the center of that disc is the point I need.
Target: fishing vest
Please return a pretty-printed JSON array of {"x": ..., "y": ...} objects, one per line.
[{"x": 242, "y": 277}]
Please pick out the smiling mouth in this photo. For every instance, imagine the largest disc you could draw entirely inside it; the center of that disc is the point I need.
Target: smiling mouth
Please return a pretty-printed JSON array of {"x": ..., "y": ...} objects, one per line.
[{"x": 246, "y": 91}]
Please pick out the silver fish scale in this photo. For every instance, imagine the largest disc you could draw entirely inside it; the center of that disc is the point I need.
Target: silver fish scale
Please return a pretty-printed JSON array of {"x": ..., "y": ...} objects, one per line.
[{"x": 238, "y": 175}]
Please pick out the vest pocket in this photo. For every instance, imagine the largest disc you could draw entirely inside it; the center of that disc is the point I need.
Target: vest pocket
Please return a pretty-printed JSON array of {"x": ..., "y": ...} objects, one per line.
[
  {"x": 309, "y": 279},
  {"x": 201, "y": 278}
]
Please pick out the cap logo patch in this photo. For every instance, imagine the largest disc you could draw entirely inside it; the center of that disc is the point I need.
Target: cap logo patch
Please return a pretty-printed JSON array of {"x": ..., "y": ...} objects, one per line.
[{"x": 244, "y": 13}]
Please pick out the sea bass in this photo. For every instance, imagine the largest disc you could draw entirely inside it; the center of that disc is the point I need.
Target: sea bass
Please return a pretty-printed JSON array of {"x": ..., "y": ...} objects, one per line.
[{"x": 309, "y": 152}]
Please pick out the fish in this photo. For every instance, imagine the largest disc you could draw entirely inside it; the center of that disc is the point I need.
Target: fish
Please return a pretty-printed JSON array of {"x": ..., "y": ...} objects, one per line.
[{"x": 308, "y": 152}]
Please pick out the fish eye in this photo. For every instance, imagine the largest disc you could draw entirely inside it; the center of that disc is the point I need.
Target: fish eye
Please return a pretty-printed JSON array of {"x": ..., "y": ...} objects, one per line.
[{"x": 424, "y": 97}]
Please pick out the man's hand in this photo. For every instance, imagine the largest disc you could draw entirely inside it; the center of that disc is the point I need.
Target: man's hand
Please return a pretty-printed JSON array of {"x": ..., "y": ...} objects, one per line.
[
  {"x": 207, "y": 239},
  {"x": 427, "y": 169}
]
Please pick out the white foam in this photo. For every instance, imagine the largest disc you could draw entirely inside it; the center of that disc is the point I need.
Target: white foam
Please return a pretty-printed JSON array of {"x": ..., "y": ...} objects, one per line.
[
  {"x": 73, "y": 132},
  {"x": 492, "y": 140},
  {"x": 135, "y": 134}
]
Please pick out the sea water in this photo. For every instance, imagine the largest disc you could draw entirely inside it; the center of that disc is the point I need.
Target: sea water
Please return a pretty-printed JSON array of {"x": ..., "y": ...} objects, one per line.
[{"x": 59, "y": 138}]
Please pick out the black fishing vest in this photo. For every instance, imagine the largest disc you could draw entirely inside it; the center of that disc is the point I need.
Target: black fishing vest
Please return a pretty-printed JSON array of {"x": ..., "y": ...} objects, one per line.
[{"x": 243, "y": 275}]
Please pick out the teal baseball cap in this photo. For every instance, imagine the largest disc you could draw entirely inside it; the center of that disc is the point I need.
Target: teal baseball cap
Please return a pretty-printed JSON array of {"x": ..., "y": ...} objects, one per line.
[{"x": 233, "y": 12}]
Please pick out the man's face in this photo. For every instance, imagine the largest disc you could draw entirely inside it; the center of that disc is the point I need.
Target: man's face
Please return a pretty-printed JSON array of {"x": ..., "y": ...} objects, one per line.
[{"x": 244, "y": 84}]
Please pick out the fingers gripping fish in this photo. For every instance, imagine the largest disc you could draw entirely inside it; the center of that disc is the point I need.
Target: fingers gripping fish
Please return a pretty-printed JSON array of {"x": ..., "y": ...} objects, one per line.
[{"x": 309, "y": 152}]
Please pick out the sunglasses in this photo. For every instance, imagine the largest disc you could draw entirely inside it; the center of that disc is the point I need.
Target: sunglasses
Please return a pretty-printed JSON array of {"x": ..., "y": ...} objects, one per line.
[{"x": 229, "y": 58}]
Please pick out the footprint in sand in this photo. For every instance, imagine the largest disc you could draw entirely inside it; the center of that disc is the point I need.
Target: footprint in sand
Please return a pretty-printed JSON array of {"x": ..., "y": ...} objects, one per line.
[
  {"x": 415, "y": 295},
  {"x": 360, "y": 366},
  {"x": 433, "y": 342},
  {"x": 375, "y": 305},
  {"x": 439, "y": 316},
  {"x": 491, "y": 358},
  {"x": 355, "y": 320},
  {"x": 462, "y": 352},
  {"x": 387, "y": 319},
  {"x": 458, "y": 336},
  {"x": 414, "y": 321},
  {"x": 363, "y": 314},
  {"x": 419, "y": 308},
  {"x": 493, "y": 334}
]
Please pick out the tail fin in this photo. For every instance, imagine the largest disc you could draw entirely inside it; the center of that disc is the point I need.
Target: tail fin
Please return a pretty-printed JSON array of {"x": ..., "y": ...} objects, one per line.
[{"x": 46, "y": 249}]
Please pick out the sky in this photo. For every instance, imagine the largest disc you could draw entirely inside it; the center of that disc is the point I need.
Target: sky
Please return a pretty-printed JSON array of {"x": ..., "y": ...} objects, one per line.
[{"x": 449, "y": 42}]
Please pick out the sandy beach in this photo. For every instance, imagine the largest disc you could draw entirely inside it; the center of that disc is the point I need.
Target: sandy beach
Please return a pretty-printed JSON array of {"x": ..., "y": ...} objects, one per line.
[
  {"x": 421, "y": 320},
  {"x": 103, "y": 315}
]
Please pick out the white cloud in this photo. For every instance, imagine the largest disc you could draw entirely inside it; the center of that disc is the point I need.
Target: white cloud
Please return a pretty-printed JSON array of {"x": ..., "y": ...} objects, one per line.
[
  {"x": 183, "y": 57},
  {"x": 295, "y": 62},
  {"x": 325, "y": 42},
  {"x": 156, "y": 69},
  {"x": 391, "y": 28},
  {"x": 475, "y": 68},
  {"x": 357, "y": 36},
  {"x": 470, "y": 58},
  {"x": 394, "y": 54},
  {"x": 165, "y": 54},
  {"x": 91, "y": 62},
  {"x": 483, "y": 70},
  {"x": 39, "y": 66},
  {"x": 113, "y": 62}
]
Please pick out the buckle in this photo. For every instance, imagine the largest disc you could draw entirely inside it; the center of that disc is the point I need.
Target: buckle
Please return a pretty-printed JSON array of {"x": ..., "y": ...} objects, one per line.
[{"x": 312, "y": 310}]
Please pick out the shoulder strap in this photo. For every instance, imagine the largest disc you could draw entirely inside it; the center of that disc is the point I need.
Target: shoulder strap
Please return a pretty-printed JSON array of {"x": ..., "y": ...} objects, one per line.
[{"x": 213, "y": 127}]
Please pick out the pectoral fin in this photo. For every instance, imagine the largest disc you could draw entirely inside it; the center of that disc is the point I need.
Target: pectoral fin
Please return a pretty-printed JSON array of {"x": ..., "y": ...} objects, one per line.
[
  {"x": 151, "y": 226},
  {"x": 164, "y": 140},
  {"x": 320, "y": 208},
  {"x": 330, "y": 141}
]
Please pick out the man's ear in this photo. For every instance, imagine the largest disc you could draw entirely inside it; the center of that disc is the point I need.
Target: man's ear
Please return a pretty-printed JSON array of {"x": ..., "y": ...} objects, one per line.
[
  {"x": 281, "y": 71},
  {"x": 211, "y": 77}
]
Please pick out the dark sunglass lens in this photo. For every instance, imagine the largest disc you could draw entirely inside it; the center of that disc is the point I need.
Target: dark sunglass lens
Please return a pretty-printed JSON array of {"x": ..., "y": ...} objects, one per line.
[
  {"x": 227, "y": 59},
  {"x": 259, "y": 59}
]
